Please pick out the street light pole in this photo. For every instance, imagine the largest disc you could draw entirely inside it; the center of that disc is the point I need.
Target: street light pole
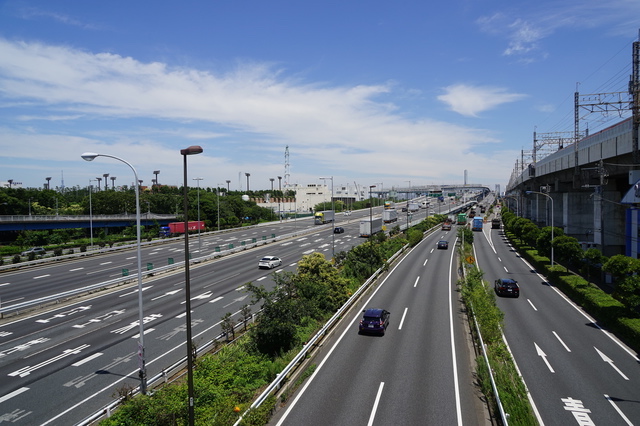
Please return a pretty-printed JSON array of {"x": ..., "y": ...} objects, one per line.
[
  {"x": 192, "y": 150},
  {"x": 218, "y": 202},
  {"x": 408, "y": 204},
  {"x": 549, "y": 197},
  {"x": 198, "y": 179},
  {"x": 142, "y": 370},
  {"x": 90, "y": 214},
  {"x": 333, "y": 223}
]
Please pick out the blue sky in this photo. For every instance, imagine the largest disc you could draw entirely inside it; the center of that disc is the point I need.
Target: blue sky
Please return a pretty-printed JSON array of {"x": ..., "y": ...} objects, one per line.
[{"x": 366, "y": 91}]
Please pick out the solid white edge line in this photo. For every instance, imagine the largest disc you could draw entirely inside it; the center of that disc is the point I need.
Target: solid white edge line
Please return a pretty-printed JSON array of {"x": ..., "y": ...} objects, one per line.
[
  {"x": 618, "y": 410},
  {"x": 375, "y": 405},
  {"x": 456, "y": 386}
]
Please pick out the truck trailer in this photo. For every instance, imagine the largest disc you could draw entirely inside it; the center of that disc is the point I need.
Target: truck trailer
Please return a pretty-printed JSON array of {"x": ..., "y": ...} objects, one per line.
[
  {"x": 326, "y": 216},
  {"x": 476, "y": 224},
  {"x": 177, "y": 228},
  {"x": 389, "y": 216},
  {"x": 413, "y": 207},
  {"x": 368, "y": 228}
]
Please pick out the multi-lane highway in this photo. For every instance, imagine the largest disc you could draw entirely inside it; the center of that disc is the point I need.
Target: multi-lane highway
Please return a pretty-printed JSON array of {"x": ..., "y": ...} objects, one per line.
[
  {"x": 61, "y": 365},
  {"x": 418, "y": 373},
  {"x": 576, "y": 372}
]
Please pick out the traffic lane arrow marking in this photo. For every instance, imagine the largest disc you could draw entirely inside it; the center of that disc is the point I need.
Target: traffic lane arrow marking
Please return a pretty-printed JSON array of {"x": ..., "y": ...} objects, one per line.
[
  {"x": 543, "y": 356},
  {"x": 610, "y": 362}
]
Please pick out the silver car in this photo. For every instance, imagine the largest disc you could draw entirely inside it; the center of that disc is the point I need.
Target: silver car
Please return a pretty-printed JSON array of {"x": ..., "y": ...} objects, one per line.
[{"x": 269, "y": 262}]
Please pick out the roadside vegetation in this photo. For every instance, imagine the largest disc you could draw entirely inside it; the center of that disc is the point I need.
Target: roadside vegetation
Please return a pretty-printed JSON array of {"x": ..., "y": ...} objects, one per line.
[
  {"x": 227, "y": 381},
  {"x": 484, "y": 312}
]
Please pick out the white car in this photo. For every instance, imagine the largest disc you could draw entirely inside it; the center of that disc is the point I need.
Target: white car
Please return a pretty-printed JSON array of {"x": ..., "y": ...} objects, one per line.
[
  {"x": 38, "y": 251},
  {"x": 269, "y": 262}
]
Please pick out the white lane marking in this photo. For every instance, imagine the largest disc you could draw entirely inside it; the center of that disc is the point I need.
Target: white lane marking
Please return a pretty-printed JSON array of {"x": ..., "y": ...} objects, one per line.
[
  {"x": 76, "y": 269},
  {"x": 375, "y": 405},
  {"x": 541, "y": 354},
  {"x": 4, "y": 284},
  {"x": 610, "y": 362},
  {"x": 532, "y": 305},
  {"x": 134, "y": 291},
  {"x": 416, "y": 283},
  {"x": 12, "y": 394},
  {"x": 23, "y": 372},
  {"x": 616, "y": 408},
  {"x": 87, "y": 359},
  {"x": 169, "y": 293},
  {"x": 216, "y": 299},
  {"x": 41, "y": 276},
  {"x": 425, "y": 262},
  {"x": 559, "y": 339},
  {"x": 402, "y": 320},
  {"x": 107, "y": 263},
  {"x": 505, "y": 268},
  {"x": 261, "y": 278}
]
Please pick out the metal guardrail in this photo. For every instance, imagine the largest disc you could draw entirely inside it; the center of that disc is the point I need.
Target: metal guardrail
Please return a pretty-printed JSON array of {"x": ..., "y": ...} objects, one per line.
[
  {"x": 122, "y": 280},
  {"x": 309, "y": 346}
]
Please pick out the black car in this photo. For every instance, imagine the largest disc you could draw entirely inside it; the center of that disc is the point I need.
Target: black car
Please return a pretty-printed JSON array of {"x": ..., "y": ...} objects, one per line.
[
  {"x": 442, "y": 244},
  {"x": 338, "y": 230},
  {"x": 507, "y": 287},
  {"x": 374, "y": 320}
]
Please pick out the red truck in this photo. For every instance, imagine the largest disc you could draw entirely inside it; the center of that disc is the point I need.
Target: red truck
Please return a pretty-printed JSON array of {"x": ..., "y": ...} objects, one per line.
[
  {"x": 446, "y": 225},
  {"x": 176, "y": 228}
]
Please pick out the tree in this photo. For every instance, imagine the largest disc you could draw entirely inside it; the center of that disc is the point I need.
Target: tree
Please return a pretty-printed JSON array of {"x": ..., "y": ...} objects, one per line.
[
  {"x": 567, "y": 249},
  {"x": 621, "y": 266},
  {"x": 530, "y": 233},
  {"x": 543, "y": 242}
]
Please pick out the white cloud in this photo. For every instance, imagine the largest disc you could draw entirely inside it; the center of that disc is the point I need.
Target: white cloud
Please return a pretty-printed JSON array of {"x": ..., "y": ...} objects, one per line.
[
  {"x": 243, "y": 118},
  {"x": 525, "y": 28},
  {"x": 470, "y": 101}
]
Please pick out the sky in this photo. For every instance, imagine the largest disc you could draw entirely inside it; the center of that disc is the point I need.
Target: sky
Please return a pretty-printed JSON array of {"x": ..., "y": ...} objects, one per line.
[{"x": 371, "y": 92}]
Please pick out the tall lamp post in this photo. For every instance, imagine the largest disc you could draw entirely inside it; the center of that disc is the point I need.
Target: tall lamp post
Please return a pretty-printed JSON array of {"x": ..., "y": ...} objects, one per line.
[
  {"x": 192, "y": 150},
  {"x": 408, "y": 204},
  {"x": 142, "y": 370},
  {"x": 90, "y": 214},
  {"x": 199, "y": 243},
  {"x": 333, "y": 222},
  {"x": 218, "y": 202},
  {"x": 549, "y": 197}
]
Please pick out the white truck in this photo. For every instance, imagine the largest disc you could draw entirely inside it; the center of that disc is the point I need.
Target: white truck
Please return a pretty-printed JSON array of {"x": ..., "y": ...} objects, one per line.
[
  {"x": 413, "y": 207},
  {"x": 389, "y": 216},
  {"x": 327, "y": 216},
  {"x": 368, "y": 228}
]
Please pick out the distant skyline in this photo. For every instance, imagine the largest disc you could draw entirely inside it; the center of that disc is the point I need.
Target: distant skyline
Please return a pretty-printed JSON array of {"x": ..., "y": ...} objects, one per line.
[{"x": 367, "y": 93}]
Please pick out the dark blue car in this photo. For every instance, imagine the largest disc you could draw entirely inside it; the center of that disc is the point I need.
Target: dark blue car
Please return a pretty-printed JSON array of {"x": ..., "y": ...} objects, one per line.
[{"x": 374, "y": 321}]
